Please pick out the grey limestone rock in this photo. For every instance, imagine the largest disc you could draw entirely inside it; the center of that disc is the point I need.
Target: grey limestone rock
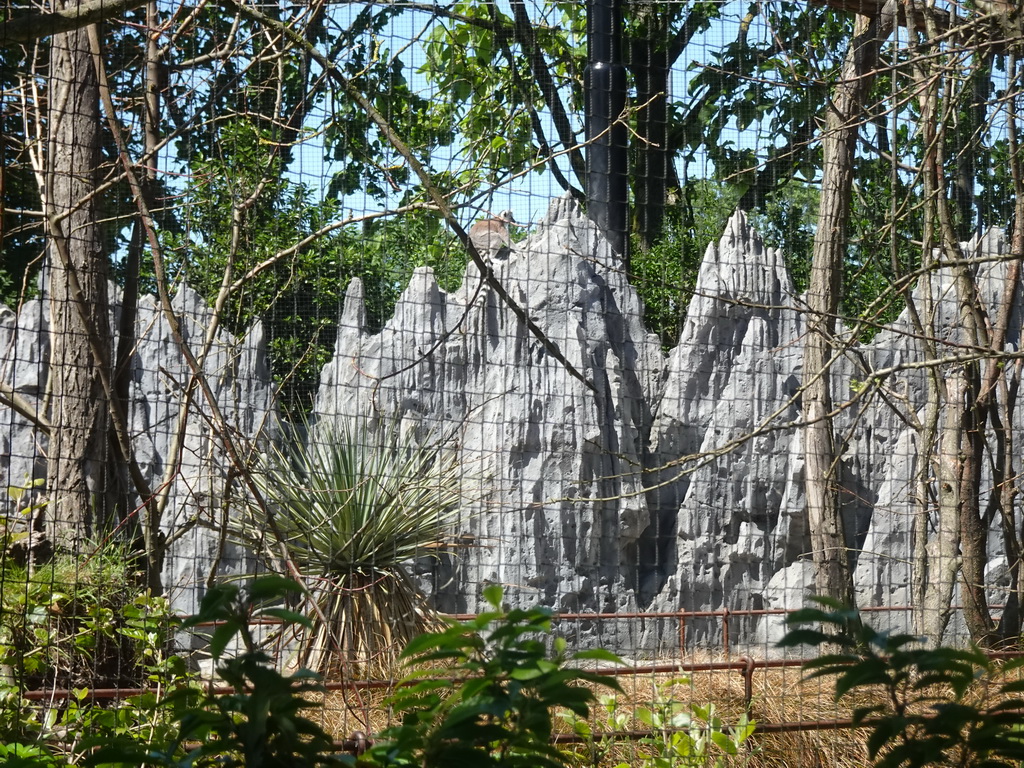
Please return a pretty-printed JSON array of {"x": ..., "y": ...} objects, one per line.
[
  {"x": 178, "y": 439},
  {"x": 726, "y": 504},
  {"x": 655, "y": 484},
  {"x": 555, "y": 503}
]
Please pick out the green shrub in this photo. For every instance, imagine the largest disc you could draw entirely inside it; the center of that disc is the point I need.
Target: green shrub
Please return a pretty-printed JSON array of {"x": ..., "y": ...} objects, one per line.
[
  {"x": 258, "y": 724},
  {"x": 353, "y": 507},
  {"x": 59, "y": 620},
  {"x": 495, "y": 700},
  {"x": 680, "y": 734},
  {"x": 50, "y": 732},
  {"x": 926, "y": 704},
  {"x": 491, "y": 702},
  {"x": 485, "y": 692}
]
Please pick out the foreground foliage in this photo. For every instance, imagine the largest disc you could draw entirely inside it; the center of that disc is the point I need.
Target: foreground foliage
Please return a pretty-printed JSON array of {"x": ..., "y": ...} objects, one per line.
[
  {"x": 62, "y": 622},
  {"x": 353, "y": 506},
  {"x": 495, "y": 702},
  {"x": 259, "y": 722},
  {"x": 492, "y": 701},
  {"x": 932, "y": 706},
  {"x": 488, "y": 692},
  {"x": 58, "y": 732},
  {"x": 680, "y": 734}
]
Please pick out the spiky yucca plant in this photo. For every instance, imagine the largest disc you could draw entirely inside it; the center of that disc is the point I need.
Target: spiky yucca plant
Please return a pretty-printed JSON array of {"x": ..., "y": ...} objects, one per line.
[{"x": 354, "y": 506}]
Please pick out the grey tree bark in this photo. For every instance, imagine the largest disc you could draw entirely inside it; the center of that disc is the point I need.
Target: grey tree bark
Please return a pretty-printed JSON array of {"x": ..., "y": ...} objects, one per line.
[
  {"x": 936, "y": 553},
  {"x": 833, "y": 576},
  {"x": 77, "y": 449}
]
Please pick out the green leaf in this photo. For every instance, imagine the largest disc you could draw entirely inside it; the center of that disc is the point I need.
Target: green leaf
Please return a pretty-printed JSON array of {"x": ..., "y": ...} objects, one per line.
[
  {"x": 542, "y": 668},
  {"x": 884, "y": 733},
  {"x": 559, "y": 645},
  {"x": 222, "y": 635},
  {"x": 288, "y": 617},
  {"x": 862, "y": 713},
  {"x": 796, "y": 637},
  {"x": 723, "y": 742},
  {"x": 448, "y": 639},
  {"x": 272, "y": 586},
  {"x": 832, "y": 663},
  {"x": 216, "y": 605},
  {"x": 493, "y": 594},
  {"x": 870, "y": 671},
  {"x": 1016, "y": 686}
]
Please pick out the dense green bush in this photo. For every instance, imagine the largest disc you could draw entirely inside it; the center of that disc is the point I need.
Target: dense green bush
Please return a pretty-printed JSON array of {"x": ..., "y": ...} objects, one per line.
[
  {"x": 494, "y": 703},
  {"x": 79, "y": 632},
  {"x": 929, "y": 706},
  {"x": 259, "y": 723},
  {"x": 485, "y": 691},
  {"x": 62, "y": 621}
]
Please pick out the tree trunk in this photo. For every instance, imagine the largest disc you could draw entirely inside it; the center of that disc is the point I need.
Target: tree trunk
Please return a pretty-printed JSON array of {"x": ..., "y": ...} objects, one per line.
[
  {"x": 936, "y": 555},
  {"x": 831, "y": 560},
  {"x": 943, "y": 547},
  {"x": 969, "y": 128},
  {"x": 1010, "y": 623},
  {"x": 120, "y": 499},
  {"x": 649, "y": 63},
  {"x": 974, "y": 408},
  {"x": 80, "y": 328},
  {"x": 974, "y": 526}
]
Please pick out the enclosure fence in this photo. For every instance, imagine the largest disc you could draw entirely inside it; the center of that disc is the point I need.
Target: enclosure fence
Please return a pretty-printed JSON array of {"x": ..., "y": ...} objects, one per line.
[{"x": 665, "y": 316}]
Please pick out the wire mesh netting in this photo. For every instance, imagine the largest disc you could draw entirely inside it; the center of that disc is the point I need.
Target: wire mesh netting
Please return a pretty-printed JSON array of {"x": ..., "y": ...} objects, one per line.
[{"x": 661, "y": 316}]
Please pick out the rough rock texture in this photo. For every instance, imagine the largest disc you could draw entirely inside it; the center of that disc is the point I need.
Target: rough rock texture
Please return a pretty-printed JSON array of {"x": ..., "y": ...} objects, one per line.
[
  {"x": 193, "y": 475},
  {"x": 732, "y": 520},
  {"x": 657, "y": 485},
  {"x": 240, "y": 383},
  {"x": 556, "y": 506},
  {"x": 674, "y": 484}
]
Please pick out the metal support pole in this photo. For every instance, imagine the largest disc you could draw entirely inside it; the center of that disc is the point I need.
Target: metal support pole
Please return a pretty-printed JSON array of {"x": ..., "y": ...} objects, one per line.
[{"x": 607, "y": 159}]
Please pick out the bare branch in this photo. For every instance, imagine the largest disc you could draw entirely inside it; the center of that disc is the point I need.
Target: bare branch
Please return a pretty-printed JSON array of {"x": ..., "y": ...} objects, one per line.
[{"x": 27, "y": 27}]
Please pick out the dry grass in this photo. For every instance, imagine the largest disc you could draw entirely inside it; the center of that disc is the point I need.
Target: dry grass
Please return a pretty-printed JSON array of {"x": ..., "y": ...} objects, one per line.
[
  {"x": 784, "y": 696},
  {"x": 779, "y": 696},
  {"x": 356, "y": 710}
]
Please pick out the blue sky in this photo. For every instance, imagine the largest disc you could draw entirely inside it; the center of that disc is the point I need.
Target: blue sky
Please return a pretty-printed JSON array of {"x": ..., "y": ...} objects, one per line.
[{"x": 529, "y": 196}]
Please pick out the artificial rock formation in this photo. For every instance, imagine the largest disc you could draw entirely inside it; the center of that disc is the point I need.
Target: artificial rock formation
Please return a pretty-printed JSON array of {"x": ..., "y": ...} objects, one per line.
[
  {"x": 178, "y": 442},
  {"x": 661, "y": 485},
  {"x": 555, "y": 502},
  {"x": 635, "y": 483}
]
